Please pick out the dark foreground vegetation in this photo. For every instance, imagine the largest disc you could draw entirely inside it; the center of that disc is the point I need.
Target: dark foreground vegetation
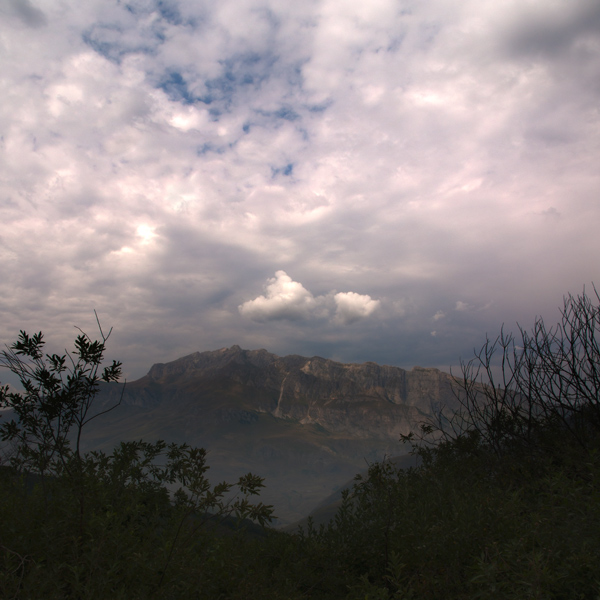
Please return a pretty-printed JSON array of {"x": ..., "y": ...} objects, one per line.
[{"x": 505, "y": 504}]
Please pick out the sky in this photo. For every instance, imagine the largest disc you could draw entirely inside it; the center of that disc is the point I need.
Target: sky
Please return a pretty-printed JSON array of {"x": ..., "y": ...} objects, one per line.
[{"x": 382, "y": 181}]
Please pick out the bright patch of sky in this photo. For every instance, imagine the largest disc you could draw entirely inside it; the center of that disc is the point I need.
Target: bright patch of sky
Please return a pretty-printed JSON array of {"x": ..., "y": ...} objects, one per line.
[{"x": 319, "y": 178}]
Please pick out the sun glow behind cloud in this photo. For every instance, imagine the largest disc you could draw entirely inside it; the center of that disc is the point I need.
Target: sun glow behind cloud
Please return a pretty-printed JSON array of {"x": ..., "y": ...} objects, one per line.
[{"x": 146, "y": 233}]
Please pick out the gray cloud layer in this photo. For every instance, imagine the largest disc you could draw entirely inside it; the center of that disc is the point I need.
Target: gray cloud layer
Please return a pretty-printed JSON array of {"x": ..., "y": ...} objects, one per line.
[{"x": 160, "y": 161}]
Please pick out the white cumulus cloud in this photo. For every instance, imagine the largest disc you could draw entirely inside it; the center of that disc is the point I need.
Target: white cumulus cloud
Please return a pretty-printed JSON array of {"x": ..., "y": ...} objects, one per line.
[
  {"x": 351, "y": 307},
  {"x": 283, "y": 299},
  {"x": 288, "y": 299}
]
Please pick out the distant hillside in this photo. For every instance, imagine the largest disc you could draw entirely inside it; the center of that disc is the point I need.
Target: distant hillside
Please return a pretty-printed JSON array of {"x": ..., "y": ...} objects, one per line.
[
  {"x": 326, "y": 510},
  {"x": 305, "y": 424}
]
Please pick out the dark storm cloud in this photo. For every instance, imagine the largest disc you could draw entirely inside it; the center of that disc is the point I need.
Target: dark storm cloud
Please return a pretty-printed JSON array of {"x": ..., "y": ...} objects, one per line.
[
  {"x": 561, "y": 30},
  {"x": 28, "y": 13}
]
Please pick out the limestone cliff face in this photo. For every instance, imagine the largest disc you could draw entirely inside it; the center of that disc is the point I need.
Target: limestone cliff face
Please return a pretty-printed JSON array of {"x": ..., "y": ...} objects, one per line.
[
  {"x": 362, "y": 400},
  {"x": 305, "y": 424}
]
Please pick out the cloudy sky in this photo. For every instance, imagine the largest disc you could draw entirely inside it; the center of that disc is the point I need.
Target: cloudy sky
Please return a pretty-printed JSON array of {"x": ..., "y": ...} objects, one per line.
[{"x": 385, "y": 180}]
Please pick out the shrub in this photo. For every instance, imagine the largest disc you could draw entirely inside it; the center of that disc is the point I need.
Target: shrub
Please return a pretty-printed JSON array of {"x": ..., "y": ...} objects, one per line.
[{"x": 100, "y": 525}]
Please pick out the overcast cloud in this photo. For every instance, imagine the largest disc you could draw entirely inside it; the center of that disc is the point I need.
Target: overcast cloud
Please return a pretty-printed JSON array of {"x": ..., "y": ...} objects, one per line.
[{"x": 385, "y": 180}]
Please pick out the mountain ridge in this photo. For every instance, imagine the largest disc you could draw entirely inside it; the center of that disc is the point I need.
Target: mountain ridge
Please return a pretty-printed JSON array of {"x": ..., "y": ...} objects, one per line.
[
  {"x": 306, "y": 424},
  {"x": 301, "y": 388}
]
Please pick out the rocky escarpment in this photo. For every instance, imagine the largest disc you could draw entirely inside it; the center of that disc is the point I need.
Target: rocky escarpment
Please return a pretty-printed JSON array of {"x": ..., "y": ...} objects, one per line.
[
  {"x": 362, "y": 400},
  {"x": 305, "y": 424}
]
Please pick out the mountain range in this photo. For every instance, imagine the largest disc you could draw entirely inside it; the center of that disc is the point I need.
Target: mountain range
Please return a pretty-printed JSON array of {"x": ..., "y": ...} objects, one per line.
[{"x": 306, "y": 425}]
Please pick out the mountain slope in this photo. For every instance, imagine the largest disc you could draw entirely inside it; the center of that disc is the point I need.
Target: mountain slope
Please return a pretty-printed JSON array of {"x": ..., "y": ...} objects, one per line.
[{"x": 305, "y": 424}]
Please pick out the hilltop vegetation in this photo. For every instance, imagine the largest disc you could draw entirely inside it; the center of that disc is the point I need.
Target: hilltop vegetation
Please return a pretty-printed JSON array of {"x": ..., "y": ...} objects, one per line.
[{"x": 505, "y": 502}]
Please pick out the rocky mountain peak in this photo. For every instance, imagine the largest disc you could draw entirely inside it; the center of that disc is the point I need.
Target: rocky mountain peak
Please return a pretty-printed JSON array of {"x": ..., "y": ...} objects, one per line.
[
  {"x": 361, "y": 399},
  {"x": 303, "y": 422}
]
